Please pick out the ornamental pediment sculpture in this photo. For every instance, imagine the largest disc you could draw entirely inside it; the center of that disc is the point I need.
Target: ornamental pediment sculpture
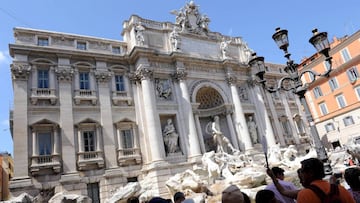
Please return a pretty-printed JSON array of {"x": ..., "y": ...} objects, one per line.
[{"x": 189, "y": 19}]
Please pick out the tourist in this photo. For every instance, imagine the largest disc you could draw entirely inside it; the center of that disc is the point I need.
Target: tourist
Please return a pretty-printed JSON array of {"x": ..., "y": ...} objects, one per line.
[
  {"x": 355, "y": 156},
  {"x": 278, "y": 177},
  {"x": 265, "y": 196},
  {"x": 312, "y": 173},
  {"x": 159, "y": 200},
  {"x": 179, "y": 197},
  {"x": 352, "y": 177},
  {"x": 232, "y": 194},
  {"x": 246, "y": 198}
]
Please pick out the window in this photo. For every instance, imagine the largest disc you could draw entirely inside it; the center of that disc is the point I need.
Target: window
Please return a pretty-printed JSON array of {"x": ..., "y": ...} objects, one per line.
[
  {"x": 89, "y": 141},
  {"x": 323, "y": 108},
  {"x": 43, "y": 78},
  {"x": 116, "y": 50},
  {"x": 357, "y": 90},
  {"x": 93, "y": 192},
  {"x": 341, "y": 101},
  {"x": 84, "y": 80},
  {"x": 333, "y": 84},
  {"x": 81, "y": 45},
  {"x": 345, "y": 54},
  {"x": 348, "y": 120},
  {"x": 127, "y": 139},
  {"x": 329, "y": 127},
  {"x": 44, "y": 141},
  {"x": 317, "y": 92},
  {"x": 311, "y": 76},
  {"x": 119, "y": 83},
  {"x": 352, "y": 74},
  {"x": 327, "y": 65},
  {"x": 43, "y": 41}
]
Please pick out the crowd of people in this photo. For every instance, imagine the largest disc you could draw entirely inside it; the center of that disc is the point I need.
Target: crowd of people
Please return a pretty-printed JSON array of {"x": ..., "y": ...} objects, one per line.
[{"x": 314, "y": 188}]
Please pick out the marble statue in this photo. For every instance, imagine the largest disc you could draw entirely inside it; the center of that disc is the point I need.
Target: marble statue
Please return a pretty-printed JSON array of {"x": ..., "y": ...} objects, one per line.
[
  {"x": 224, "y": 47},
  {"x": 220, "y": 139},
  {"x": 174, "y": 39},
  {"x": 163, "y": 89},
  {"x": 252, "y": 130},
  {"x": 63, "y": 197},
  {"x": 170, "y": 137},
  {"x": 139, "y": 34}
]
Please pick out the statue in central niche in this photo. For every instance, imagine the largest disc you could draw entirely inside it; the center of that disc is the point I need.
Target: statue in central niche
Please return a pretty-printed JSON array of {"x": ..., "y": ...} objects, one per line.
[{"x": 221, "y": 141}]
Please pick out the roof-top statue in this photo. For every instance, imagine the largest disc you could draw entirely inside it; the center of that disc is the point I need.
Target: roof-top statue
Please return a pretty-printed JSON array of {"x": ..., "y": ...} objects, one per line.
[{"x": 190, "y": 20}]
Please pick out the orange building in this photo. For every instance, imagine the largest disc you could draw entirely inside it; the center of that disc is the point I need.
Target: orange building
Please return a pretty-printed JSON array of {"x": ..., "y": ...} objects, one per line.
[
  {"x": 6, "y": 173},
  {"x": 334, "y": 101}
]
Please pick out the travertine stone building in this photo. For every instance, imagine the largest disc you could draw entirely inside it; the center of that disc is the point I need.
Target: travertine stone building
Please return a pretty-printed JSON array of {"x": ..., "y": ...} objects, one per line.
[{"x": 92, "y": 114}]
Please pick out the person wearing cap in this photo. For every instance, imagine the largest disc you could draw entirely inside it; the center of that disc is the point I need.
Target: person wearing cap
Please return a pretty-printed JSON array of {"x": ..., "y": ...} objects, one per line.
[
  {"x": 279, "y": 175},
  {"x": 232, "y": 194},
  {"x": 179, "y": 197}
]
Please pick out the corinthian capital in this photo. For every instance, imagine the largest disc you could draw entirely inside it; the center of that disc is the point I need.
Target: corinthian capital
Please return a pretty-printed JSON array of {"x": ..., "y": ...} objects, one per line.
[
  {"x": 231, "y": 78},
  {"x": 64, "y": 73},
  {"x": 20, "y": 71},
  {"x": 180, "y": 74},
  {"x": 102, "y": 75},
  {"x": 144, "y": 73}
]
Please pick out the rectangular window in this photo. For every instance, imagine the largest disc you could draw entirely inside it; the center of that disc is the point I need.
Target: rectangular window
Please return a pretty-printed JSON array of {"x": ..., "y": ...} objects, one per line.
[
  {"x": 43, "y": 78},
  {"x": 84, "y": 80},
  {"x": 323, "y": 108},
  {"x": 44, "y": 140},
  {"x": 81, "y": 45},
  {"x": 93, "y": 192},
  {"x": 327, "y": 65},
  {"x": 352, "y": 74},
  {"x": 119, "y": 83},
  {"x": 89, "y": 141},
  {"x": 43, "y": 41},
  {"x": 345, "y": 54},
  {"x": 317, "y": 92},
  {"x": 333, "y": 84},
  {"x": 341, "y": 101},
  {"x": 127, "y": 139},
  {"x": 116, "y": 50},
  {"x": 329, "y": 127},
  {"x": 357, "y": 90},
  {"x": 348, "y": 120}
]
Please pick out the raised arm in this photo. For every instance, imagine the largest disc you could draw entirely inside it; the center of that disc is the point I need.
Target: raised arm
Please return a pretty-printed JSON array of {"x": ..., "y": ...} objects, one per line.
[{"x": 288, "y": 193}]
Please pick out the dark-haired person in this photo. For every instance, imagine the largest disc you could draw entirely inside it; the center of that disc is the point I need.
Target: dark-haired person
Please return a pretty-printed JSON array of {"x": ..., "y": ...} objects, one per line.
[
  {"x": 352, "y": 178},
  {"x": 278, "y": 173},
  {"x": 312, "y": 173},
  {"x": 266, "y": 196}
]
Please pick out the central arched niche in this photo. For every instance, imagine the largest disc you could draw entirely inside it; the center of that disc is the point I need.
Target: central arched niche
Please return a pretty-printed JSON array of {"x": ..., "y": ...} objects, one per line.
[{"x": 211, "y": 102}]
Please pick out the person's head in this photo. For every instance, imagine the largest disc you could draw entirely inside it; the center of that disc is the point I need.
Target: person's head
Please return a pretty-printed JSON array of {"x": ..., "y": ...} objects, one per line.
[
  {"x": 265, "y": 196},
  {"x": 278, "y": 172},
  {"x": 352, "y": 177},
  {"x": 159, "y": 200},
  {"x": 246, "y": 198},
  {"x": 232, "y": 194},
  {"x": 311, "y": 169},
  {"x": 179, "y": 197}
]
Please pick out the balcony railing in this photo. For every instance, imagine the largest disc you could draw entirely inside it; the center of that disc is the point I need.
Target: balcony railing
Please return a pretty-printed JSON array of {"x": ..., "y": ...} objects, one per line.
[
  {"x": 85, "y": 95},
  {"x": 121, "y": 96},
  {"x": 90, "y": 160},
  {"x": 40, "y": 163},
  {"x": 129, "y": 156},
  {"x": 43, "y": 94}
]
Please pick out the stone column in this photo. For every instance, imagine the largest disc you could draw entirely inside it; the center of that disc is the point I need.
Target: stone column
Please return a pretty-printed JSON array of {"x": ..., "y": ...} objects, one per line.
[
  {"x": 152, "y": 120},
  {"x": 290, "y": 118},
  {"x": 263, "y": 116},
  {"x": 34, "y": 146},
  {"x": 52, "y": 78},
  {"x": 56, "y": 140},
  {"x": 103, "y": 78},
  {"x": 65, "y": 75},
  {"x": 198, "y": 127},
  {"x": 98, "y": 138},
  {"x": 240, "y": 121},
  {"x": 191, "y": 133},
  {"x": 231, "y": 129},
  {"x": 274, "y": 114},
  {"x": 34, "y": 77},
  {"x": 20, "y": 75}
]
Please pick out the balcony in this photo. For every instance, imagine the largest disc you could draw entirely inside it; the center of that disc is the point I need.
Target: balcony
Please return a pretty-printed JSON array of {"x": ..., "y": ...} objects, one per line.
[
  {"x": 42, "y": 164},
  {"x": 121, "y": 96},
  {"x": 129, "y": 156},
  {"x": 90, "y": 160},
  {"x": 85, "y": 95},
  {"x": 43, "y": 94}
]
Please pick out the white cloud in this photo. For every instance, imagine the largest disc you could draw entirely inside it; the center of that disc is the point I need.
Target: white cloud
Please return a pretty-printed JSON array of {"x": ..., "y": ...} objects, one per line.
[
  {"x": 5, "y": 123},
  {"x": 4, "y": 57}
]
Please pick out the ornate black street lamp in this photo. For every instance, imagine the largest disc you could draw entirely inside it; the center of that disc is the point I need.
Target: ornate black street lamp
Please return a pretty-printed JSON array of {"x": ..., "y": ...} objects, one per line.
[{"x": 292, "y": 82}]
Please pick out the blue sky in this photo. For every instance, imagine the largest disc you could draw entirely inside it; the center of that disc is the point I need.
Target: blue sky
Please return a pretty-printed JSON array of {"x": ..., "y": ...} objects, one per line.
[{"x": 253, "y": 20}]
